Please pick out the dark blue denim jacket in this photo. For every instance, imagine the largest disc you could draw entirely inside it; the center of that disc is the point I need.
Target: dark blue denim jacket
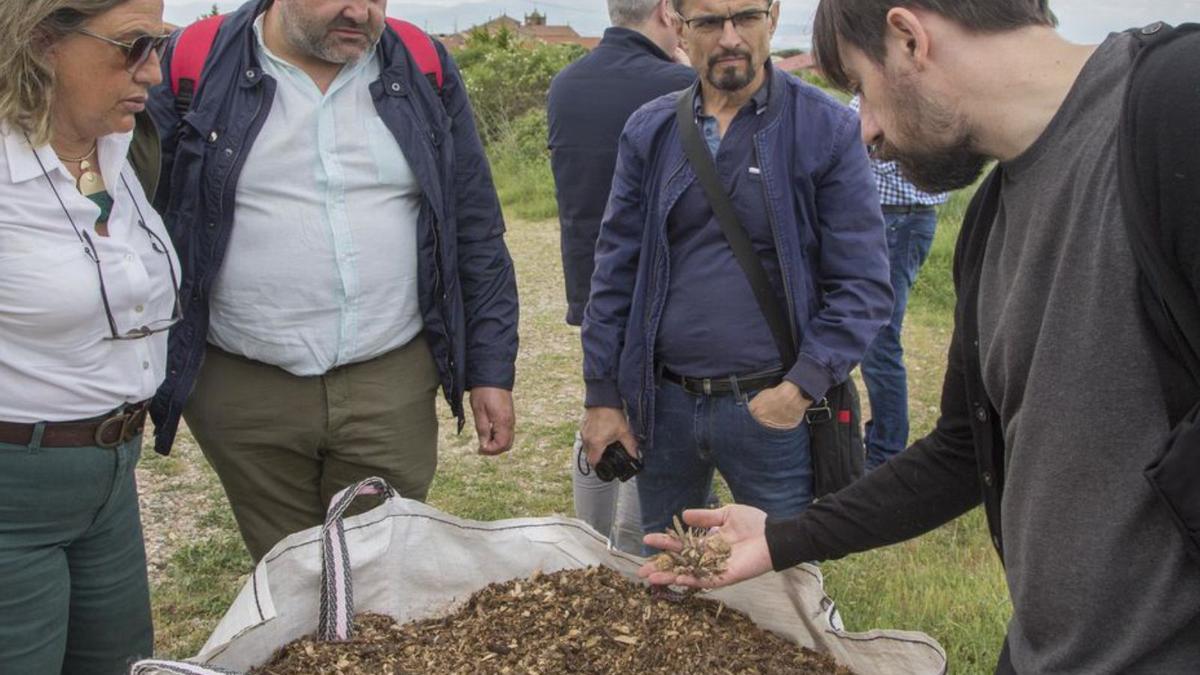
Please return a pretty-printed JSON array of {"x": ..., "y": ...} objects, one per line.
[
  {"x": 466, "y": 285},
  {"x": 829, "y": 236}
]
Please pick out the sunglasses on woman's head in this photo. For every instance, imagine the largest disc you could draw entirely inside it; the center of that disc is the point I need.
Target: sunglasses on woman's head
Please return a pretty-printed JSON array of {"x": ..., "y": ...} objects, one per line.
[{"x": 136, "y": 52}]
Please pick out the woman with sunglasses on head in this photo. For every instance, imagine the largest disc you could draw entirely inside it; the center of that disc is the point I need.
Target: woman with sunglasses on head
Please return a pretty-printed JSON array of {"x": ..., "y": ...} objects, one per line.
[{"x": 87, "y": 293}]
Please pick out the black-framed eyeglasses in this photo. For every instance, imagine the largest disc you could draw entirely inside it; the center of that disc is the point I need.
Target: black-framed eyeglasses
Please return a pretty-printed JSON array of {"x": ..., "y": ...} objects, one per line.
[
  {"x": 744, "y": 22},
  {"x": 136, "y": 52},
  {"x": 89, "y": 249}
]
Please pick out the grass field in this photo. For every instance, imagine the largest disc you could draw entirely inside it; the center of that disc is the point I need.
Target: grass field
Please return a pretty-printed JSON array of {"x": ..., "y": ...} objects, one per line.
[{"x": 948, "y": 583}]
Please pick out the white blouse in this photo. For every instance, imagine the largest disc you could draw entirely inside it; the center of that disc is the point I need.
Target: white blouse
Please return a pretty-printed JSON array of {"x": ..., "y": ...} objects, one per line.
[{"x": 56, "y": 361}]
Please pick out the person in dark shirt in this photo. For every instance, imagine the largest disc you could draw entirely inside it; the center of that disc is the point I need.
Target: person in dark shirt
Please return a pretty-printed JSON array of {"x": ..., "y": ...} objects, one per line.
[
  {"x": 589, "y": 102},
  {"x": 680, "y": 363},
  {"x": 1053, "y": 335}
]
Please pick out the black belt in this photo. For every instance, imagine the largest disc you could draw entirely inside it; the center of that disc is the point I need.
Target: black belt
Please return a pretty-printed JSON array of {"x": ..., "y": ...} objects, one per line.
[
  {"x": 907, "y": 208},
  {"x": 718, "y": 386},
  {"x": 105, "y": 431}
]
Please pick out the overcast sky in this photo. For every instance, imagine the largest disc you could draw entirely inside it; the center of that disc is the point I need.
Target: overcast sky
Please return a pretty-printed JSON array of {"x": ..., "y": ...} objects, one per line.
[{"x": 1081, "y": 20}]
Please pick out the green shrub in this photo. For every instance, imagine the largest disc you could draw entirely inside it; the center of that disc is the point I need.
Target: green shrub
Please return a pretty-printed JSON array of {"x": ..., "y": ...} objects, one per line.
[
  {"x": 507, "y": 77},
  {"x": 521, "y": 167},
  {"x": 934, "y": 289}
]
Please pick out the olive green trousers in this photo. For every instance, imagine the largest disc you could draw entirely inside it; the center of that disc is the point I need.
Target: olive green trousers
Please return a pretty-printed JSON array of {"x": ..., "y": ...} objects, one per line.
[{"x": 284, "y": 445}]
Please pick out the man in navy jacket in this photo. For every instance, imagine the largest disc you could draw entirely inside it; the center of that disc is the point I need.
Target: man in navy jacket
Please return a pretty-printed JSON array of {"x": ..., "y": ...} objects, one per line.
[
  {"x": 343, "y": 257},
  {"x": 679, "y": 361},
  {"x": 589, "y": 102}
]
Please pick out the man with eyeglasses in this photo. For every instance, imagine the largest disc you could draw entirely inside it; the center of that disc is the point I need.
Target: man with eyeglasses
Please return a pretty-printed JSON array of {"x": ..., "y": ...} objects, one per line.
[
  {"x": 680, "y": 361},
  {"x": 344, "y": 258}
]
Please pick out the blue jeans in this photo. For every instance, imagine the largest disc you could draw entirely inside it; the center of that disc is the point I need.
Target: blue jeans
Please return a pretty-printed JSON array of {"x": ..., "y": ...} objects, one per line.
[
  {"x": 695, "y": 435},
  {"x": 910, "y": 236}
]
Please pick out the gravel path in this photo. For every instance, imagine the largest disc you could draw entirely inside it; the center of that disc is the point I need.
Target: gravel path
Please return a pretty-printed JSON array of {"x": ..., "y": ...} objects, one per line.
[{"x": 176, "y": 493}]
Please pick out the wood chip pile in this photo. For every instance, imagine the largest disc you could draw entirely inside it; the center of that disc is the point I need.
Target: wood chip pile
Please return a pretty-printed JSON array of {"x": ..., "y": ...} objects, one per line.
[{"x": 576, "y": 621}]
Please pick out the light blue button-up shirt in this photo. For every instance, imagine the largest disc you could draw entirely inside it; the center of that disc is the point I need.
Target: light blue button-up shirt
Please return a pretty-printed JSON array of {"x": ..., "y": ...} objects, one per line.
[{"x": 321, "y": 269}]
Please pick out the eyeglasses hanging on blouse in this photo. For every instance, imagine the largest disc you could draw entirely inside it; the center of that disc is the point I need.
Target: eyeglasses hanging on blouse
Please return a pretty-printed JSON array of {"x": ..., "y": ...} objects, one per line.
[{"x": 89, "y": 249}]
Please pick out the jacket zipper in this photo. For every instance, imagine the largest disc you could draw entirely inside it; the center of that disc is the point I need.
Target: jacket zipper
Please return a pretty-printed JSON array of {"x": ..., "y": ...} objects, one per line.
[
  {"x": 235, "y": 168},
  {"x": 787, "y": 287},
  {"x": 654, "y": 313}
]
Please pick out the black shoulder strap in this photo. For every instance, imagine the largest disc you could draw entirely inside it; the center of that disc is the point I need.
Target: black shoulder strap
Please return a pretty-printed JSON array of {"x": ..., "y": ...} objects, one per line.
[
  {"x": 735, "y": 233},
  {"x": 1168, "y": 284}
]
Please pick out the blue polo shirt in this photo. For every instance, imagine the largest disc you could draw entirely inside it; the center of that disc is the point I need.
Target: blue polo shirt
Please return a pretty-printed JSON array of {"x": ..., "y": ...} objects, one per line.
[{"x": 712, "y": 325}]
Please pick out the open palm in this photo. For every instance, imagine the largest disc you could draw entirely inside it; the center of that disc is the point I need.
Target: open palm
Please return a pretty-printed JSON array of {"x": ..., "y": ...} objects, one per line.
[{"x": 742, "y": 526}]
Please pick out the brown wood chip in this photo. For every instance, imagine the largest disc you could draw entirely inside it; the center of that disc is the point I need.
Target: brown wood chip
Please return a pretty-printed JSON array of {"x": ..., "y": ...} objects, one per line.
[{"x": 576, "y": 621}]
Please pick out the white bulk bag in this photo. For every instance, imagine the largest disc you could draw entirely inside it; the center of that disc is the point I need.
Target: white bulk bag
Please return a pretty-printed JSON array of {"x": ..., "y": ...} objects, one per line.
[{"x": 412, "y": 562}]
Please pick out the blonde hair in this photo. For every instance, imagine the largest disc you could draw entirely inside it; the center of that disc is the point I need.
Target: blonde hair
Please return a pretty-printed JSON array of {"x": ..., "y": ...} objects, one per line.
[{"x": 27, "y": 29}]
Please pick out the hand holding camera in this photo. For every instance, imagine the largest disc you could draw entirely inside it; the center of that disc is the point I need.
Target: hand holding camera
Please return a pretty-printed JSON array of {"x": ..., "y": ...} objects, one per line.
[
  {"x": 609, "y": 444},
  {"x": 617, "y": 463}
]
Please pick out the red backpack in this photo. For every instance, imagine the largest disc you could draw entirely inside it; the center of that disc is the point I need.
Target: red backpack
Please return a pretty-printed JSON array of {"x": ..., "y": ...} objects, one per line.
[{"x": 196, "y": 41}]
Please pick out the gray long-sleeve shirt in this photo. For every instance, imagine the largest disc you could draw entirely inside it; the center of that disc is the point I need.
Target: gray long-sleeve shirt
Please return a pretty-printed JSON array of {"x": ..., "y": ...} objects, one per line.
[
  {"x": 1099, "y": 576},
  {"x": 1052, "y": 334}
]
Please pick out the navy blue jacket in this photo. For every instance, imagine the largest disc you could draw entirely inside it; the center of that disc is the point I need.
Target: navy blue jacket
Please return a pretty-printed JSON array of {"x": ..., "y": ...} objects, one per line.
[
  {"x": 829, "y": 235},
  {"x": 589, "y": 102},
  {"x": 466, "y": 285}
]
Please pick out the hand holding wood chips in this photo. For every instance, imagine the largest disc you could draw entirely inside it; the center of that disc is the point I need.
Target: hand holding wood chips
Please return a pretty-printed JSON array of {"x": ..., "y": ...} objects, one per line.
[{"x": 739, "y": 529}]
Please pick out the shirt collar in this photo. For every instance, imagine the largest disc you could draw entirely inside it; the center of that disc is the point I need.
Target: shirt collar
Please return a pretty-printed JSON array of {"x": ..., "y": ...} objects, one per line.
[
  {"x": 23, "y": 160},
  {"x": 760, "y": 99},
  {"x": 622, "y": 37}
]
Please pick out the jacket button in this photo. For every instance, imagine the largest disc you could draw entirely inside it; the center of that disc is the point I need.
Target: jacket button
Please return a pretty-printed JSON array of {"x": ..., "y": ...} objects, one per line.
[
  {"x": 981, "y": 414},
  {"x": 229, "y": 152},
  {"x": 250, "y": 74},
  {"x": 395, "y": 86},
  {"x": 212, "y": 137},
  {"x": 1152, "y": 28},
  {"x": 211, "y": 224},
  {"x": 987, "y": 478}
]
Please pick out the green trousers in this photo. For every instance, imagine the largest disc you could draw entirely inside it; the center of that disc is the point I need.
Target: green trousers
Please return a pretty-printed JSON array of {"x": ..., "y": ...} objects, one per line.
[
  {"x": 73, "y": 591},
  {"x": 284, "y": 445}
]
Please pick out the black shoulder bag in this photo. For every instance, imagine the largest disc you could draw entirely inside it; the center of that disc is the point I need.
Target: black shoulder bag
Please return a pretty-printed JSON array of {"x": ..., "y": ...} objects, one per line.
[
  {"x": 834, "y": 423},
  {"x": 1174, "y": 474}
]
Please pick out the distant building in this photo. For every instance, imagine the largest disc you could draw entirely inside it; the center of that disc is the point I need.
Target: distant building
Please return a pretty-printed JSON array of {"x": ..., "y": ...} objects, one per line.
[
  {"x": 796, "y": 64},
  {"x": 533, "y": 28}
]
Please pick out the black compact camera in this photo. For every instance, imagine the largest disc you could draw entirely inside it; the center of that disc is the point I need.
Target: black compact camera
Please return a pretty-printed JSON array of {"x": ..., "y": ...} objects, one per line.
[{"x": 616, "y": 463}]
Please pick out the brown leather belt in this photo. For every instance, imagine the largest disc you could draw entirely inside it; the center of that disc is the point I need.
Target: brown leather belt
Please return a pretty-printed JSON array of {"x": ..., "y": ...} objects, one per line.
[{"x": 106, "y": 431}]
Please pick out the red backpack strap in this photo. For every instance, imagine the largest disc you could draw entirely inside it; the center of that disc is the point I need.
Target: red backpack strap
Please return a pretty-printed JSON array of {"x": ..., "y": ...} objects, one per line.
[
  {"x": 187, "y": 60},
  {"x": 420, "y": 45}
]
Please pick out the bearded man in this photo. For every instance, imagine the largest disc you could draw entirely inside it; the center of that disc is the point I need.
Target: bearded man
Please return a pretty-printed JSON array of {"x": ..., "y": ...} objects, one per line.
[
  {"x": 1066, "y": 386},
  {"x": 344, "y": 258},
  {"x": 681, "y": 364}
]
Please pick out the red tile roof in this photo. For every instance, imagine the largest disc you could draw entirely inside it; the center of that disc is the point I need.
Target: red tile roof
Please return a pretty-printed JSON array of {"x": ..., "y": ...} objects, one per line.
[
  {"x": 542, "y": 33},
  {"x": 796, "y": 63}
]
